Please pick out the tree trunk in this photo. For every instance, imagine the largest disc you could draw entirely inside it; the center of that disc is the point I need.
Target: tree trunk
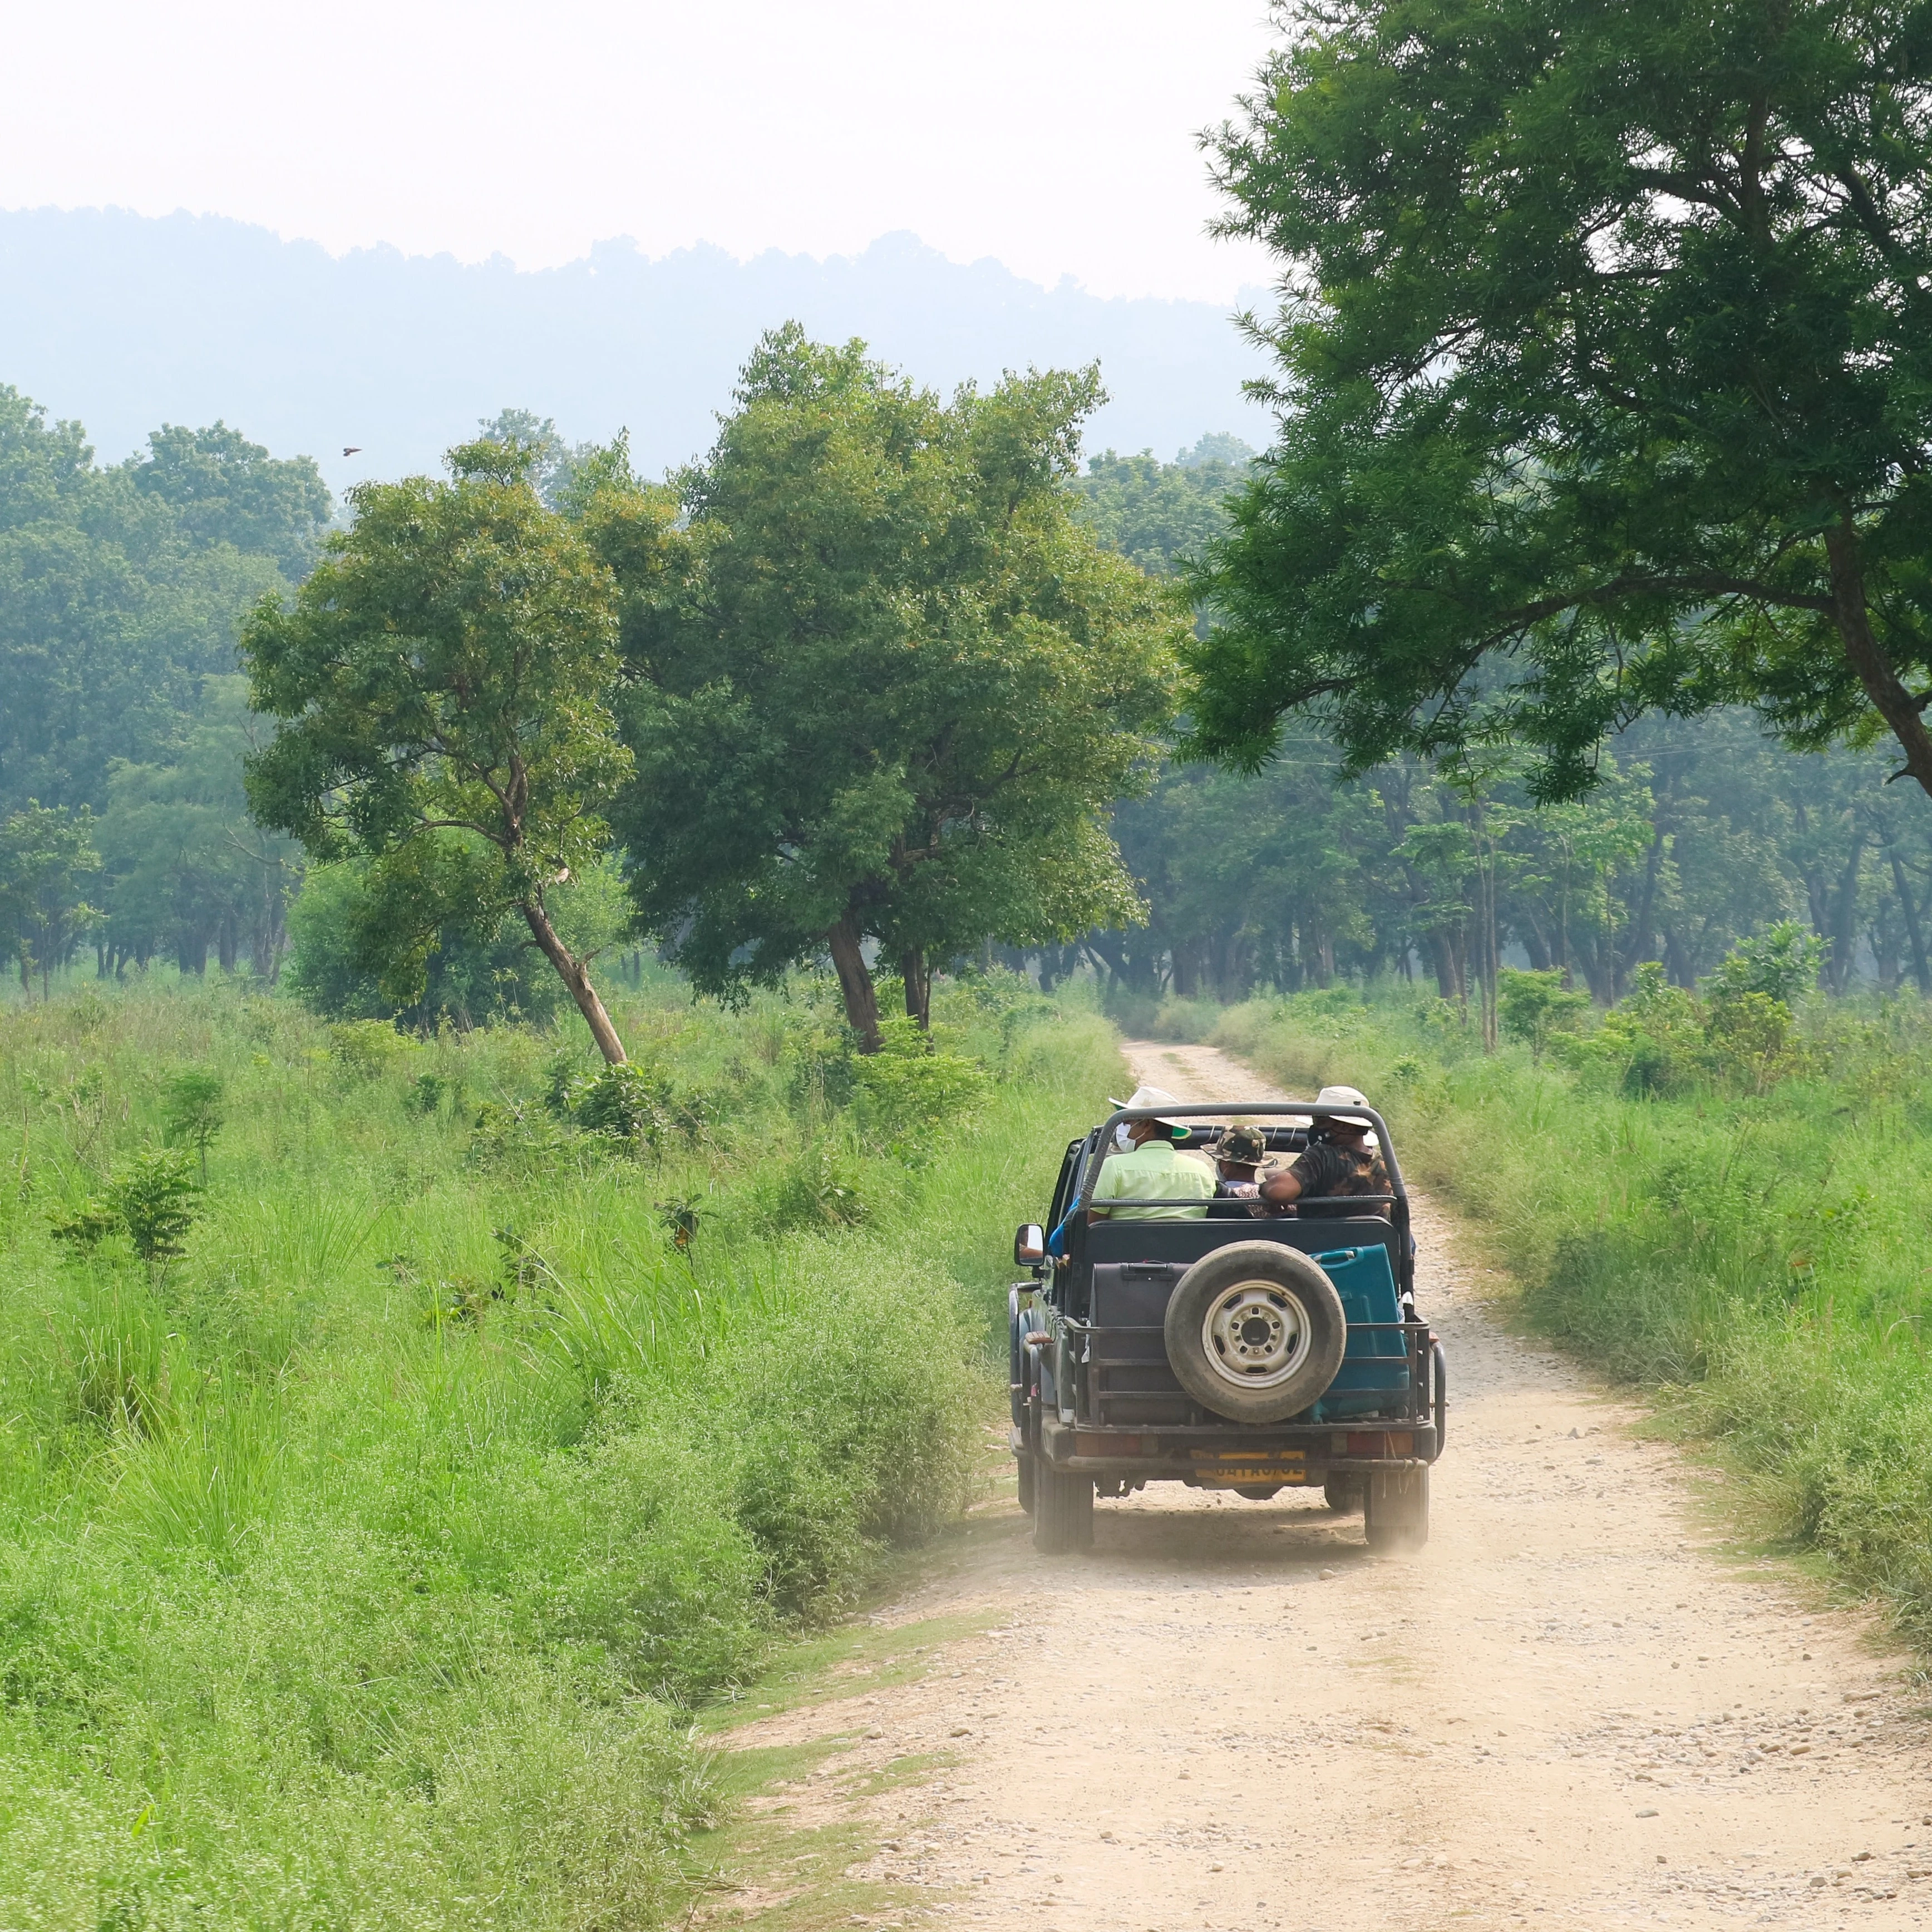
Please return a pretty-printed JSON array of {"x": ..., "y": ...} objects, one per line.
[
  {"x": 575, "y": 974},
  {"x": 1844, "y": 935},
  {"x": 916, "y": 970},
  {"x": 1921, "y": 970},
  {"x": 1883, "y": 685},
  {"x": 862, "y": 1002},
  {"x": 1530, "y": 933},
  {"x": 1677, "y": 960},
  {"x": 1639, "y": 949}
]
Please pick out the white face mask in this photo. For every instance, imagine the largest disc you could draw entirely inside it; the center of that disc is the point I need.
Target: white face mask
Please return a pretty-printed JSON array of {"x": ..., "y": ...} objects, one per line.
[{"x": 1120, "y": 1134}]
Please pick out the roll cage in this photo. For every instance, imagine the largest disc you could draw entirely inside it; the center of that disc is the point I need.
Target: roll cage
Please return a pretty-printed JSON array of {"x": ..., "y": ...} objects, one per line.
[{"x": 1073, "y": 1196}]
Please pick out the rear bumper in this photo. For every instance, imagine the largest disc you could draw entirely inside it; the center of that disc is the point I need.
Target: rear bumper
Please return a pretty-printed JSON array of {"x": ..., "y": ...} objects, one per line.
[{"x": 1229, "y": 1456}]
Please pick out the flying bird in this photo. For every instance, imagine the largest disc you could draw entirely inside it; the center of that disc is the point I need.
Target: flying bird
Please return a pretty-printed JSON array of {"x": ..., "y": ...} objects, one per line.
[{"x": 353, "y": 449}]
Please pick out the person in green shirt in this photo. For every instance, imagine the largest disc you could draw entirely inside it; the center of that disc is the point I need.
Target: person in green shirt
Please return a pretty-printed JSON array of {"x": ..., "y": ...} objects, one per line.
[{"x": 1152, "y": 1168}]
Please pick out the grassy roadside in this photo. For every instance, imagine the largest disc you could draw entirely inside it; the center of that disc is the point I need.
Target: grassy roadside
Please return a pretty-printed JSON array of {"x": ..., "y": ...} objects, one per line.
[
  {"x": 794, "y": 1818},
  {"x": 363, "y": 1564},
  {"x": 1757, "y": 1260}
]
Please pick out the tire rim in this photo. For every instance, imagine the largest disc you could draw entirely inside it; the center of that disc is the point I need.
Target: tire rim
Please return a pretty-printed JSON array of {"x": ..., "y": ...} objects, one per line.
[{"x": 1256, "y": 1334}]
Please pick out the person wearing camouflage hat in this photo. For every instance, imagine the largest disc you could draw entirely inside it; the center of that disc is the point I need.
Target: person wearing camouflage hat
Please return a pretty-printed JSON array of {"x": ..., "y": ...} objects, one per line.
[{"x": 1238, "y": 1156}]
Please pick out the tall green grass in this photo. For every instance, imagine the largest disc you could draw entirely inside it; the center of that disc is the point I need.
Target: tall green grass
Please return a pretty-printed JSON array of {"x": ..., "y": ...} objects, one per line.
[
  {"x": 1763, "y": 1263},
  {"x": 359, "y": 1568}
]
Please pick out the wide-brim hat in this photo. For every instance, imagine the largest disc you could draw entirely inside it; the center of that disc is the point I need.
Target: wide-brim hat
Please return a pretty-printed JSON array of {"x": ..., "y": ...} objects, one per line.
[
  {"x": 1344, "y": 1097},
  {"x": 1148, "y": 1097},
  {"x": 1242, "y": 1146}
]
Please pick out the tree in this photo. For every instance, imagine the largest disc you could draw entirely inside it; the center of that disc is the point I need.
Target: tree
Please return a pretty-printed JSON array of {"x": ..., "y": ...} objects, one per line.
[
  {"x": 473, "y": 972},
  {"x": 1532, "y": 1005},
  {"x": 186, "y": 867},
  {"x": 883, "y": 685},
  {"x": 1606, "y": 378},
  {"x": 121, "y": 589},
  {"x": 443, "y": 680},
  {"x": 1157, "y": 513},
  {"x": 193, "y": 1113},
  {"x": 555, "y": 459},
  {"x": 46, "y": 856},
  {"x": 224, "y": 489}
]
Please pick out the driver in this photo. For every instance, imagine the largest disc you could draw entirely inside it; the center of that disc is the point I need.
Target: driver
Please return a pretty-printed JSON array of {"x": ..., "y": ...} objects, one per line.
[
  {"x": 1152, "y": 1169},
  {"x": 1341, "y": 1158}
]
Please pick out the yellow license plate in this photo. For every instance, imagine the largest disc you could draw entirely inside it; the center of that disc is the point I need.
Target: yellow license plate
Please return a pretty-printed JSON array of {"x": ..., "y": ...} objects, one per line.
[{"x": 1233, "y": 1476}]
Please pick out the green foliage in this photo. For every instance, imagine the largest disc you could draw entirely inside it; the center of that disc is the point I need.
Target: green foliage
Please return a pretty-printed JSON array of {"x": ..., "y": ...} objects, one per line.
[
  {"x": 121, "y": 590},
  {"x": 337, "y": 959},
  {"x": 1158, "y": 514},
  {"x": 1750, "y": 1038},
  {"x": 883, "y": 682},
  {"x": 909, "y": 1091},
  {"x": 46, "y": 856},
  {"x": 1532, "y": 1005},
  {"x": 184, "y": 866},
  {"x": 1757, "y": 1257},
  {"x": 419, "y": 1501},
  {"x": 1602, "y": 381},
  {"x": 1698, "y": 838},
  {"x": 157, "y": 1198},
  {"x": 442, "y": 680},
  {"x": 637, "y": 1106},
  {"x": 1654, "y": 1040},
  {"x": 821, "y": 1186},
  {"x": 364, "y": 1049},
  {"x": 193, "y": 1113},
  {"x": 626, "y": 1103},
  {"x": 1779, "y": 964},
  {"x": 85, "y": 1227}
]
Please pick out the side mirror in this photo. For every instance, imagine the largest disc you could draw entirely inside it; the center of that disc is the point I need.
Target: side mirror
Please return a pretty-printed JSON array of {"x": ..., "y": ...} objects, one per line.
[{"x": 1030, "y": 1246}]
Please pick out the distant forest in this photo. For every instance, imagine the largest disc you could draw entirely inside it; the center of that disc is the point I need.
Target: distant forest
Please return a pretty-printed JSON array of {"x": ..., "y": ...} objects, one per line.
[{"x": 124, "y": 839}]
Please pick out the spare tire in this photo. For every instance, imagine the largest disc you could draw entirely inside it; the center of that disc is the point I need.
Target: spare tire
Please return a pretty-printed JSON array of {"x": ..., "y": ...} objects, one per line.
[{"x": 1254, "y": 1331}]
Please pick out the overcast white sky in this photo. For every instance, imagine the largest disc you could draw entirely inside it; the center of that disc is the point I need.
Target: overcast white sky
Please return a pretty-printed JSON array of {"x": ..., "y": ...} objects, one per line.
[{"x": 1056, "y": 135}]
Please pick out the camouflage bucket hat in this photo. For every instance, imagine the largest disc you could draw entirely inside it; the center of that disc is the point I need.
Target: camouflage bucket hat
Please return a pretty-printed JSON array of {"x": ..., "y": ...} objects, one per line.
[{"x": 1243, "y": 1147}]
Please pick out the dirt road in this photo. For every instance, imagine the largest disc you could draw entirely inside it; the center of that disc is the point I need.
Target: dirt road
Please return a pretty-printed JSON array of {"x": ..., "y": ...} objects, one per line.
[{"x": 1569, "y": 1710}]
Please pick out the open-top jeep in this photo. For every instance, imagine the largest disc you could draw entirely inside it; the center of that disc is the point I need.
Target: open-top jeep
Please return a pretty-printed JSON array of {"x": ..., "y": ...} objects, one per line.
[{"x": 1229, "y": 1349}]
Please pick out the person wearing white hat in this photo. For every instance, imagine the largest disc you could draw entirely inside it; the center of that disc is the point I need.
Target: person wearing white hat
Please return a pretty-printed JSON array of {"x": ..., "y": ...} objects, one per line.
[
  {"x": 1341, "y": 1159},
  {"x": 1152, "y": 1168}
]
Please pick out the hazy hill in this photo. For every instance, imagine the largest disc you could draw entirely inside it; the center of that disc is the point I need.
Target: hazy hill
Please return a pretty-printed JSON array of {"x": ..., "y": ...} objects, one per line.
[{"x": 125, "y": 321}]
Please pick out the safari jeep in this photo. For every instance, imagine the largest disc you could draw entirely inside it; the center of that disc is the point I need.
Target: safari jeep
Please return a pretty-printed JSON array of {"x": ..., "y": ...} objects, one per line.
[{"x": 1228, "y": 1352}]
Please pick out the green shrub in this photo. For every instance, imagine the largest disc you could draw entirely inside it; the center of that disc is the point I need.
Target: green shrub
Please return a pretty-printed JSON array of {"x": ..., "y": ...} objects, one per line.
[
  {"x": 1780, "y": 964},
  {"x": 909, "y": 1090},
  {"x": 192, "y": 1114},
  {"x": 821, "y": 1186},
  {"x": 627, "y": 1103},
  {"x": 366, "y": 1049},
  {"x": 1531, "y": 1007},
  {"x": 158, "y": 1200}
]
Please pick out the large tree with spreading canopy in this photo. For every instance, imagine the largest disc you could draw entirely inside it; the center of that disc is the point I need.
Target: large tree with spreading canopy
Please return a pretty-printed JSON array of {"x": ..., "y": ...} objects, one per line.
[
  {"x": 442, "y": 682},
  {"x": 884, "y": 684},
  {"x": 1605, "y": 378}
]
